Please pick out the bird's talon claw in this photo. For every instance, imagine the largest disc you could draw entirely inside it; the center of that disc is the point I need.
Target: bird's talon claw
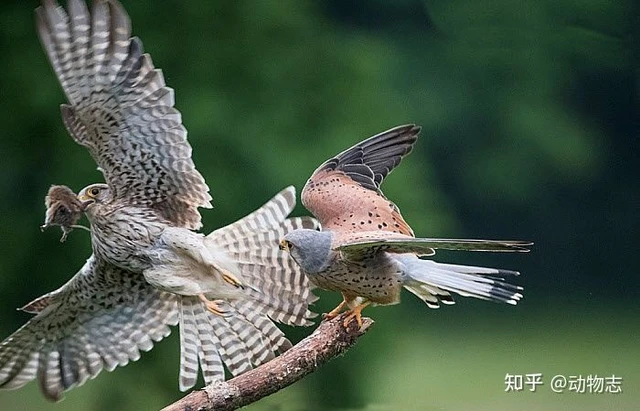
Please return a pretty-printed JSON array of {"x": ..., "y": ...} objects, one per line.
[
  {"x": 328, "y": 316},
  {"x": 335, "y": 312},
  {"x": 214, "y": 307},
  {"x": 350, "y": 317},
  {"x": 356, "y": 312},
  {"x": 231, "y": 279}
]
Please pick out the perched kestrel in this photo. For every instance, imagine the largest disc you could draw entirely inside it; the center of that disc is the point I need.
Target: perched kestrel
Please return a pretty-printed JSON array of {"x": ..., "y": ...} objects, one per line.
[
  {"x": 63, "y": 209},
  {"x": 148, "y": 269},
  {"x": 368, "y": 252}
]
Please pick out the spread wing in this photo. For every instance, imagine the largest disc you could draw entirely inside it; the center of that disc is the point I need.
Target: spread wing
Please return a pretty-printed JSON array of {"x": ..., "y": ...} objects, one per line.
[
  {"x": 100, "y": 319},
  {"x": 344, "y": 192},
  {"x": 284, "y": 291},
  {"x": 354, "y": 250},
  {"x": 121, "y": 110}
]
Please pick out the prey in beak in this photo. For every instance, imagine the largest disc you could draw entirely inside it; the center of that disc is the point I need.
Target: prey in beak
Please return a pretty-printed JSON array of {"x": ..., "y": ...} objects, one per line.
[{"x": 64, "y": 209}]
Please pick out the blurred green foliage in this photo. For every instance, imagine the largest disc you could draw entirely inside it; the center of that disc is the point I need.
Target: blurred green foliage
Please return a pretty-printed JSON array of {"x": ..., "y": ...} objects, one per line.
[{"x": 530, "y": 116}]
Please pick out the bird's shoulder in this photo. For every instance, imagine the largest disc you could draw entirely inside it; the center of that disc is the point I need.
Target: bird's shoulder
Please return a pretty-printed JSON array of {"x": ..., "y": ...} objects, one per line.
[{"x": 342, "y": 205}]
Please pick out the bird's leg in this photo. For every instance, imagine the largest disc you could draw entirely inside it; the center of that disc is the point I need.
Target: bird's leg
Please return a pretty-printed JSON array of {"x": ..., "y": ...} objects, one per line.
[
  {"x": 334, "y": 313},
  {"x": 67, "y": 229},
  {"x": 357, "y": 313},
  {"x": 228, "y": 277},
  {"x": 212, "y": 306}
]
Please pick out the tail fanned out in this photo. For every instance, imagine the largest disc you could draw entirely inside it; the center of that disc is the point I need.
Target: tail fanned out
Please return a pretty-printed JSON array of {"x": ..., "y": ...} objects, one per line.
[
  {"x": 241, "y": 340},
  {"x": 434, "y": 282},
  {"x": 246, "y": 336}
]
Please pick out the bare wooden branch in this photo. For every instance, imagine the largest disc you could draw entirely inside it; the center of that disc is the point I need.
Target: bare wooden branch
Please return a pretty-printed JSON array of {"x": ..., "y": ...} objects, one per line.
[{"x": 329, "y": 340}]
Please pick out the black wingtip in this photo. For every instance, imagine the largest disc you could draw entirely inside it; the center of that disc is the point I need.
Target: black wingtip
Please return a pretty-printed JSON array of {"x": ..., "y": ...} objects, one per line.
[
  {"x": 507, "y": 273},
  {"x": 135, "y": 47},
  {"x": 412, "y": 129},
  {"x": 371, "y": 160},
  {"x": 522, "y": 246}
]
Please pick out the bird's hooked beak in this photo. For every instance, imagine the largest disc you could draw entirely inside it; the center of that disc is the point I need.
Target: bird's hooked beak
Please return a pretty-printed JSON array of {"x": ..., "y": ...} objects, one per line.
[
  {"x": 85, "y": 200},
  {"x": 284, "y": 245}
]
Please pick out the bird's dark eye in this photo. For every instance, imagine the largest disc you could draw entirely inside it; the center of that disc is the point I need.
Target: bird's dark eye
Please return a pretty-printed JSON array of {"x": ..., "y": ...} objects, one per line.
[
  {"x": 94, "y": 192},
  {"x": 289, "y": 245}
]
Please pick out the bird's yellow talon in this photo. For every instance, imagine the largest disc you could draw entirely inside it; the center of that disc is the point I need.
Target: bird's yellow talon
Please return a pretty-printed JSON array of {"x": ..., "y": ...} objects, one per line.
[
  {"x": 356, "y": 313},
  {"x": 231, "y": 279},
  {"x": 350, "y": 317},
  {"x": 334, "y": 313},
  {"x": 213, "y": 306},
  {"x": 228, "y": 277}
]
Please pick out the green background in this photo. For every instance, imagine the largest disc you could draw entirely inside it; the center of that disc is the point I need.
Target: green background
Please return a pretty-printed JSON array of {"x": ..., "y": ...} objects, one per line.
[{"x": 530, "y": 131}]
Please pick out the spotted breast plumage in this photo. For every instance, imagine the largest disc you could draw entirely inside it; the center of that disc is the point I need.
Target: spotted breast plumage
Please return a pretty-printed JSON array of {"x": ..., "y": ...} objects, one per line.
[
  {"x": 149, "y": 270},
  {"x": 368, "y": 252}
]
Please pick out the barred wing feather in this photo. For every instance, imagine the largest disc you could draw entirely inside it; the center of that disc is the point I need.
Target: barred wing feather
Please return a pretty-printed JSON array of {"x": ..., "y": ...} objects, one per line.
[
  {"x": 278, "y": 286},
  {"x": 102, "y": 318},
  {"x": 121, "y": 110}
]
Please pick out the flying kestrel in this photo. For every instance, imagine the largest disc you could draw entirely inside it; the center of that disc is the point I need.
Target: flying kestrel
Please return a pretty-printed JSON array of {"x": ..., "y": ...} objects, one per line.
[
  {"x": 368, "y": 252},
  {"x": 148, "y": 269}
]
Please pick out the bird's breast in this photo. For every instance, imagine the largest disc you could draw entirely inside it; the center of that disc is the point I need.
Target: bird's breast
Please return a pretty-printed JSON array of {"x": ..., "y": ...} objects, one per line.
[
  {"x": 122, "y": 237},
  {"x": 377, "y": 279}
]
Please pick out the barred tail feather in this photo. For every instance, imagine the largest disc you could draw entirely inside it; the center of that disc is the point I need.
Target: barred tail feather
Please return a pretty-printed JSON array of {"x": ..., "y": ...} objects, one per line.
[
  {"x": 434, "y": 282},
  {"x": 275, "y": 338},
  {"x": 241, "y": 340},
  {"x": 189, "y": 343}
]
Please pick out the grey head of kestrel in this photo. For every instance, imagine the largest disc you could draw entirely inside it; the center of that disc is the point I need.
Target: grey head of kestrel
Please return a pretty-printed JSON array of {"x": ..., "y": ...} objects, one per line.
[
  {"x": 149, "y": 268},
  {"x": 368, "y": 252}
]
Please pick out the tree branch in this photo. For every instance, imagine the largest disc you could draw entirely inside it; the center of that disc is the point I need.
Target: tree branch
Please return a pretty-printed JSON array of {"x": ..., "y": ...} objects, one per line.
[{"x": 329, "y": 340}]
